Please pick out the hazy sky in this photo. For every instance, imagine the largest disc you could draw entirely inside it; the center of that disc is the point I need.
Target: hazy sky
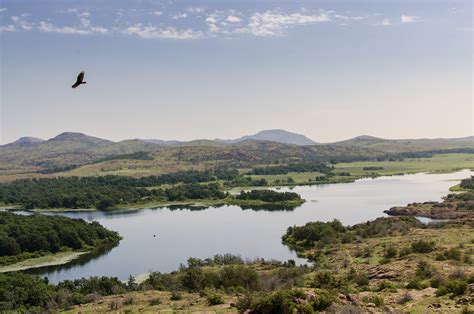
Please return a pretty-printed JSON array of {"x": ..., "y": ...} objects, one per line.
[{"x": 205, "y": 69}]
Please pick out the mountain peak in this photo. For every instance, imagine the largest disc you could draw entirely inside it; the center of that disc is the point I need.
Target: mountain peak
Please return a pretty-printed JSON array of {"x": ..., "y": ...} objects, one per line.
[
  {"x": 274, "y": 135},
  {"x": 367, "y": 138},
  {"x": 69, "y": 135},
  {"x": 28, "y": 140}
]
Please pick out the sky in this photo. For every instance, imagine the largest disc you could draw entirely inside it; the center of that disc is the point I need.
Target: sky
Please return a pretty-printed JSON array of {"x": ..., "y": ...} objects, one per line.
[{"x": 186, "y": 70}]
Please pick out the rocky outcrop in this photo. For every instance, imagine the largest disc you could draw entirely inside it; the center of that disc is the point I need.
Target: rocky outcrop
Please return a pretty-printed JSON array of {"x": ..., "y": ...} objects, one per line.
[{"x": 434, "y": 210}]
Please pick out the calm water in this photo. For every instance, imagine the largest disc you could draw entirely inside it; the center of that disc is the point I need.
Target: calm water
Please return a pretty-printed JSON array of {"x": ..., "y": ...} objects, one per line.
[{"x": 182, "y": 233}]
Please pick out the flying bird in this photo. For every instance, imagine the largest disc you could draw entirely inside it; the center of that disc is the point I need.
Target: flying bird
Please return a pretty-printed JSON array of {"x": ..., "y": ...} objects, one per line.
[{"x": 80, "y": 80}]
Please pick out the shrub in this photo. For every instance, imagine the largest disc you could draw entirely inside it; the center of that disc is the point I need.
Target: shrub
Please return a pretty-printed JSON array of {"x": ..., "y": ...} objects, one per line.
[
  {"x": 324, "y": 279},
  {"x": 454, "y": 286},
  {"x": 385, "y": 284},
  {"x": 451, "y": 254},
  {"x": 404, "y": 251},
  {"x": 176, "y": 296},
  {"x": 458, "y": 273},
  {"x": 361, "y": 279},
  {"x": 323, "y": 300},
  {"x": 390, "y": 252},
  {"x": 215, "y": 299},
  {"x": 437, "y": 281},
  {"x": 155, "y": 301},
  {"x": 375, "y": 299},
  {"x": 417, "y": 284},
  {"x": 422, "y": 246},
  {"x": 424, "y": 270}
]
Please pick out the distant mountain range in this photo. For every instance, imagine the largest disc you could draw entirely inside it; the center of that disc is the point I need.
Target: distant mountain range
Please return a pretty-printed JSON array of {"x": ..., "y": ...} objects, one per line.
[
  {"x": 80, "y": 140},
  {"x": 29, "y": 156}
]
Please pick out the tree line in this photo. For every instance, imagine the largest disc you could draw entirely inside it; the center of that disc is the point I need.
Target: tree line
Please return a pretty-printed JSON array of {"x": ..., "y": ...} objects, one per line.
[
  {"x": 292, "y": 167},
  {"x": 268, "y": 196},
  {"x": 22, "y": 236},
  {"x": 97, "y": 192}
]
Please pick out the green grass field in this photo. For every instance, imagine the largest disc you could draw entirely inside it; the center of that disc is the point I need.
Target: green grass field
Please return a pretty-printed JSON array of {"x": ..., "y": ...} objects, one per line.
[{"x": 436, "y": 164}]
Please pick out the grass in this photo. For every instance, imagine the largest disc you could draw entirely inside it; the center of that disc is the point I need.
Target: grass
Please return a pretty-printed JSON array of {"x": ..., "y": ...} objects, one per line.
[
  {"x": 147, "y": 300},
  {"x": 437, "y": 164},
  {"x": 298, "y": 177},
  {"x": 441, "y": 163},
  {"x": 47, "y": 260}
]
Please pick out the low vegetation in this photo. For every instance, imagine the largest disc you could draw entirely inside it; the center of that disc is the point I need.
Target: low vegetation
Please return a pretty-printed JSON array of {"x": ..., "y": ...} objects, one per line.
[
  {"x": 293, "y": 167},
  {"x": 114, "y": 191},
  {"x": 24, "y": 237}
]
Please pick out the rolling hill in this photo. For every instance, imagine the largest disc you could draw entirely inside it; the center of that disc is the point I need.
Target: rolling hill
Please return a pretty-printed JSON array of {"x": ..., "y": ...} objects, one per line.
[
  {"x": 79, "y": 154},
  {"x": 277, "y": 135},
  {"x": 406, "y": 145}
]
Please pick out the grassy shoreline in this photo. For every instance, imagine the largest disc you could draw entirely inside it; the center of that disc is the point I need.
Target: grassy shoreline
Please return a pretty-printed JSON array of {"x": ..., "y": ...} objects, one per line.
[
  {"x": 60, "y": 258},
  {"x": 191, "y": 203},
  {"x": 233, "y": 191}
]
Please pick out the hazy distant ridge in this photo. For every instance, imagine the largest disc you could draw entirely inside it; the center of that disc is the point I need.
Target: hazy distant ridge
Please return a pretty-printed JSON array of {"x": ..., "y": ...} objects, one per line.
[{"x": 278, "y": 135}]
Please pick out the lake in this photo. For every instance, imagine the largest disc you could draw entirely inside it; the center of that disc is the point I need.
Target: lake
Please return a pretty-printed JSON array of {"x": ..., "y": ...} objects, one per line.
[{"x": 183, "y": 233}]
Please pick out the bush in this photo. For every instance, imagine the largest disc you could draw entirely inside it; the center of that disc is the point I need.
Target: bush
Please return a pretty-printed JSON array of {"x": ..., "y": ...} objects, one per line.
[
  {"x": 422, "y": 246},
  {"x": 215, "y": 299},
  {"x": 404, "y": 251},
  {"x": 375, "y": 299},
  {"x": 176, "y": 296},
  {"x": 458, "y": 273},
  {"x": 285, "y": 301},
  {"x": 383, "y": 285},
  {"x": 361, "y": 279},
  {"x": 437, "y": 281},
  {"x": 155, "y": 301},
  {"x": 424, "y": 270},
  {"x": 323, "y": 300},
  {"x": 451, "y": 254},
  {"x": 390, "y": 252},
  {"x": 324, "y": 279},
  {"x": 416, "y": 284},
  {"x": 454, "y": 286}
]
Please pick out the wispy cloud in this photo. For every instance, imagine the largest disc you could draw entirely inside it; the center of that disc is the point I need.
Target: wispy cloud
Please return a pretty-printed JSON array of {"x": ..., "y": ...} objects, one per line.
[
  {"x": 229, "y": 23},
  {"x": 271, "y": 23},
  {"x": 21, "y": 22},
  {"x": 409, "y": 18},
  {"x": 233, "y": 19},
  {"x": 180, "y": 16},
  {"x": 196, "y": 10},
  {"x": 150, "y": 31},
  {"x": 7, "y": 28},
  {"x": 47, "y": 27},
  {"x": 347, "y": 17},
  {"x": 3, "y": 9}
]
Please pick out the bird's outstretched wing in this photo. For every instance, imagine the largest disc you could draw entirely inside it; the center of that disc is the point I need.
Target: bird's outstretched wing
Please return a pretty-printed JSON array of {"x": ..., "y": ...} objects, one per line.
[{"x": 79, "y": 80}]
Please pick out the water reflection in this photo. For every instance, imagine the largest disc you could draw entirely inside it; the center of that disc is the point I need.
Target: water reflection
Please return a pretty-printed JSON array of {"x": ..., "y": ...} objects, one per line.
[{"x": 183, "y": 232}]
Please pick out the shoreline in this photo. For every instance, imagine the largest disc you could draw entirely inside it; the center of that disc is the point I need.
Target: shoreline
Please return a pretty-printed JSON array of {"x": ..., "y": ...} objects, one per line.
[
  {"x": 57, "y": 259},
  {"x": 232, "y": 191}
]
